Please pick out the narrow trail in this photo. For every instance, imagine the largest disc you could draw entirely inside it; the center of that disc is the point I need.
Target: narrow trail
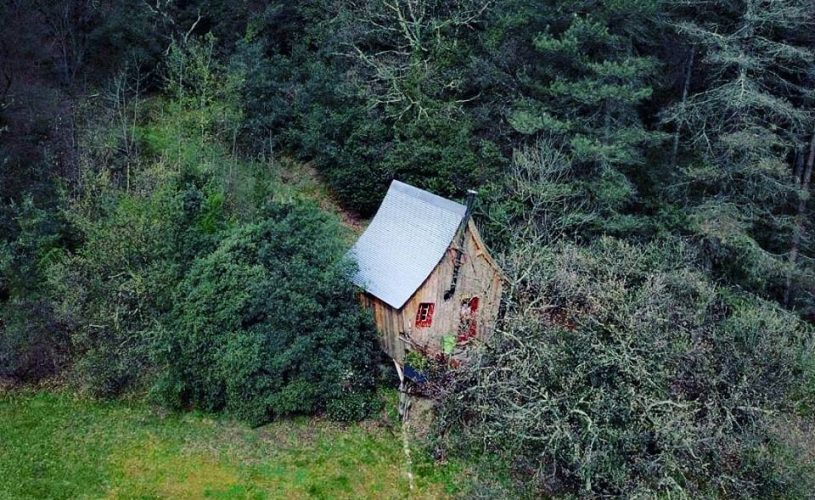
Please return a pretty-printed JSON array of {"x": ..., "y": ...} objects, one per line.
[
  {"x": 309, "y": 182},
  {"x": 408, "y": 460}
]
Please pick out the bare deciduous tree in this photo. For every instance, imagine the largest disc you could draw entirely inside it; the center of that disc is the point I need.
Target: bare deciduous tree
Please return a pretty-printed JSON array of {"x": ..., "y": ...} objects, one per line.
[
  {"x": 68, "y": 24},
  {"x": 400, "y": 43}
]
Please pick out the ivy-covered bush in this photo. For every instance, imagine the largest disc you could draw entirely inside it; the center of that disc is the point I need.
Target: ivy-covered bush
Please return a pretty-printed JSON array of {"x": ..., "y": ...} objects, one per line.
[{"x": 268, "y": 325}]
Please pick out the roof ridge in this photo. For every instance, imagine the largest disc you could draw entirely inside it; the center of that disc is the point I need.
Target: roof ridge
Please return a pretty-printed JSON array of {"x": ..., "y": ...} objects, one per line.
[{"x": 427, "y": 196}]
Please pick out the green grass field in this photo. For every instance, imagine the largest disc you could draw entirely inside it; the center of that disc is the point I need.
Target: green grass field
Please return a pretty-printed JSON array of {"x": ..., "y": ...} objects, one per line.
[{"x": 57, "y": 445}]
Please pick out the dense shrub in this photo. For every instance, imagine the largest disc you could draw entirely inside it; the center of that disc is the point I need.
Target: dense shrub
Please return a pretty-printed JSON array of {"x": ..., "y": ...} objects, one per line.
[
  {"x": 34, "y": 340},
  {"x": 34, "y": 343},
  {"x": 268, "y": 325},
  {"x": 159, "y": 190},
  {"x": 115, "y": 288},
  {"x": 621, "y": 370}
]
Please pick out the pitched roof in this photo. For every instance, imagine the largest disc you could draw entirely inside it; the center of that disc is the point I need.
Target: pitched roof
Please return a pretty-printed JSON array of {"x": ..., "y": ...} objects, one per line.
[{"x": 405, "y": 241}]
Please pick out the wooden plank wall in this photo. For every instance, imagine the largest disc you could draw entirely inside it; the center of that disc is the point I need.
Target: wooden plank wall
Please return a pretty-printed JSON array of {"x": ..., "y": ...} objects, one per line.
[
  {"x": 479, "y": 277},
  {"x": 390, "y": 325}
]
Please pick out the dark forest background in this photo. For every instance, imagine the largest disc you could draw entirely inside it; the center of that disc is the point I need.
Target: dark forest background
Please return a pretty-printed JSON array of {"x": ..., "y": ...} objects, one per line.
[{"x": 644, "y": 170}]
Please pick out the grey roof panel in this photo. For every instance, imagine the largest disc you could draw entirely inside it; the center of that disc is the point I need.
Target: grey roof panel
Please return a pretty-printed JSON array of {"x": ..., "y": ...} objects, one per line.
[{"x": 405, "y": 241}]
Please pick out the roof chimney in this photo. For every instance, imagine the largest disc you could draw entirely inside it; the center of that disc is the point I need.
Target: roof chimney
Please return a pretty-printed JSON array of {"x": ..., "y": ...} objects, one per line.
[{"x": 471, "y": 194}]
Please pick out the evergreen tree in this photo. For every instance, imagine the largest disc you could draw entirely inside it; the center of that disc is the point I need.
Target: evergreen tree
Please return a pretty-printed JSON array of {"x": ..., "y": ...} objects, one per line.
[
  {"x": 746, "y": 121},
  {"x": 585, "y": 86}
]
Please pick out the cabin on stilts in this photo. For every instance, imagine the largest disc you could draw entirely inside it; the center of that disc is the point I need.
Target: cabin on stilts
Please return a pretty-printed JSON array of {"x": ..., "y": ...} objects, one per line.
[{"x": 427, "y": 275}]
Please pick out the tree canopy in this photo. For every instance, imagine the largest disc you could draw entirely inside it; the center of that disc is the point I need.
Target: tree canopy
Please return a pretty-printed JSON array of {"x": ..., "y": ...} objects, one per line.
[{"x": 171, "y": 173}]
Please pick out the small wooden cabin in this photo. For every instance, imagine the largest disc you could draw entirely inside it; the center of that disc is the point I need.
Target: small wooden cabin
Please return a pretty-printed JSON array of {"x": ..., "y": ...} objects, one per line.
[{"x": 426, "y": 274}]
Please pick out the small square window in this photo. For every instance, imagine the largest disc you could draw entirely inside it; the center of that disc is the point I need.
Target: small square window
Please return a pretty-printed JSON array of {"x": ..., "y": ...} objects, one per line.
[{"x": 424, "y": 316}]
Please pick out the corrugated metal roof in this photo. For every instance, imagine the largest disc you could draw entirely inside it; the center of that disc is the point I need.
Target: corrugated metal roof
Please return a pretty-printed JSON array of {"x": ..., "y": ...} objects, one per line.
[{"x": 404, "y": 242}]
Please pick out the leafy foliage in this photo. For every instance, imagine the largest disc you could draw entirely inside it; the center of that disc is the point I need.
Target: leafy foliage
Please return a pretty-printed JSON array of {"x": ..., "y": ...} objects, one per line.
[
  {"x": 645, "y": 173},
  {"x": 268, "y": 325},
  {"x": 34, "y": 341},
  {"x": 395, "y": 117},
  {"x": 168, "y": 220}
]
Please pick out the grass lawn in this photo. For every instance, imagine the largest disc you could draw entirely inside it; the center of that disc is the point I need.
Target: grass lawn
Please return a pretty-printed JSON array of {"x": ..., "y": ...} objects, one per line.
[{"x": 57, "y": 445}]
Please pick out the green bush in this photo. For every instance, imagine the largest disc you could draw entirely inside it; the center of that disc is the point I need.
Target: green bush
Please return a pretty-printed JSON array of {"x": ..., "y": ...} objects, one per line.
[
  {"x": 34, "y": 342},
  {"x": 268, "y": 324},
  {"x": 351, "y": 407},
  {"x": 113, "y": 287},
  {"x": 117, "y": 286}
]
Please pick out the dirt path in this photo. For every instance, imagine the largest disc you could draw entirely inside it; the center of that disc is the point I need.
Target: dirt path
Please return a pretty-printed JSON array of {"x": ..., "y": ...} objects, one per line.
[{"x": 305, "y": 179}]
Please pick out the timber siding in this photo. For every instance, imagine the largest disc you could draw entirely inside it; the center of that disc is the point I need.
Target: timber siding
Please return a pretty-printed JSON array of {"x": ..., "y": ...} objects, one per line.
[
  {"x": 407, "y": 256},
  {"x": 479, "y": 276}
]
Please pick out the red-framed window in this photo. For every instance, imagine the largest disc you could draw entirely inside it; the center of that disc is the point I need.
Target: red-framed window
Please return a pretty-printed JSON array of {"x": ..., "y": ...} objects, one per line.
[
  {"x": 424, "y": 316},
  {"x": 468, "y": 327}
]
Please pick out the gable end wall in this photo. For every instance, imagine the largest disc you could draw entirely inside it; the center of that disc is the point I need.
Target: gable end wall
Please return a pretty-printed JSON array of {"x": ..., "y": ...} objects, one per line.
[{"x": 478, "y": 277}]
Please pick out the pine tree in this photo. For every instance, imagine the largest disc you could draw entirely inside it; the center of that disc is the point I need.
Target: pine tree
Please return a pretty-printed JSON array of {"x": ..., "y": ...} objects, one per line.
[
  {"x": 586, "y": 88},
  {"x": 747, "y": 120}
]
